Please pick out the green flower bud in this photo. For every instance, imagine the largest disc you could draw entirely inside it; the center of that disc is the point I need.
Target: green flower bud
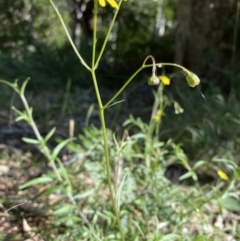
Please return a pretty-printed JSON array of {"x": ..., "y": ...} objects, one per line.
[
  {"x": 153, "y": 80},
  {"x": 192, "y": 79}
]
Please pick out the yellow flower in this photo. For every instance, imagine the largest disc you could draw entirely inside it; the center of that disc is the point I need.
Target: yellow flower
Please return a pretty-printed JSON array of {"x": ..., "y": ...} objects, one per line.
[
  {"x": 222, "y": 175},
  {"x": 158, "y": 115},
  {"x": 113, "y": 3},
  {"x": 165, "y": 80}
]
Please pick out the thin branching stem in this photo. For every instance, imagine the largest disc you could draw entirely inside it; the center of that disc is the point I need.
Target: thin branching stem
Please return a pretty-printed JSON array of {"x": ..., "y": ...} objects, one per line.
[
  {"x": 108, "y": 170},
  {"x": 107, "y": 35},
  {"x": 123, "y": 87},
  {"x": 44, "y": 148},
  {"x": 69, "y": 37},
  {"x": 94, "y": 41},
  {"x": 106, "y": 152}
]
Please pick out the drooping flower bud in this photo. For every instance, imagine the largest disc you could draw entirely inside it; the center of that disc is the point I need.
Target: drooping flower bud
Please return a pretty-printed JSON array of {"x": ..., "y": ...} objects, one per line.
[
  {"x": 192, "y": 79},
  {"x": 153, "y": 80},
  {"x": 178, "y": 109}
]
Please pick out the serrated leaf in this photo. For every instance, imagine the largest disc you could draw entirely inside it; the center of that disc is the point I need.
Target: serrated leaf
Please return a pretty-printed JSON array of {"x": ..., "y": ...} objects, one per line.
[
  {"x": 39, "y": 180},
  {"x": 31, "y": 141}
]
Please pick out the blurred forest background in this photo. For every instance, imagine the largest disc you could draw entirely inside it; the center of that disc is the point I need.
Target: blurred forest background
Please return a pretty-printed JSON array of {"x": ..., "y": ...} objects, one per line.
[{"x": 201, "y": 35}]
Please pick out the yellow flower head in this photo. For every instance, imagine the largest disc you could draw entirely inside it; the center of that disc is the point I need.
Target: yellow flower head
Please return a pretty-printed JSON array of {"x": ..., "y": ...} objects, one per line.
[
  {"x": 158, "y": 115},
  {"x": 222, "y": 175},
  {"x": 165, "y": 80},
  {"x": 113, "y": 3}
]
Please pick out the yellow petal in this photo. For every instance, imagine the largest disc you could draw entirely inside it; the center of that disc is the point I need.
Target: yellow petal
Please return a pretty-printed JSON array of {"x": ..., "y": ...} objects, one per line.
[
  {"x": 165, "y": 80},
  {"x": 102, "y": 3},
  {"x": 113, "y": 4},
  {"x": 222, "y": 175},
  {"x": 158, "y": 115}
]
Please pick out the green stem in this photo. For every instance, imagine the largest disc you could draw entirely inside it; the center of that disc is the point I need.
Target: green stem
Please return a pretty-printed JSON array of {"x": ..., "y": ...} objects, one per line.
[
  {"x": 106, "y": 152},
  {"x": 107, "y": 36},
  {"x": 135, "y": 73},
  {"x": 123, "y": 87},
  {"x": 175, "y": 65},
  {"x": 45, "y": 149},
  {"x": 94, "y": 42},
  {"x": 69, "y": 37},
  {"x": 161, "y": 106},
  {"x": 108, "y": 170}
]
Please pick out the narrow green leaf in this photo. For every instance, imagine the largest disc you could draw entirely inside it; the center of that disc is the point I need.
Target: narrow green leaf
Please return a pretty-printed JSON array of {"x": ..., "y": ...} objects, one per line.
[
  {"x": 65, "y": 175},
  {"x": 136, "y": 224},
  {"x": 42, "y": 179},
  {"x": 24, "y": 86},
  {"x": 124, "y": 145},
  {"x": 115, "y": 141},
  {"x": 139, "y": 136},
  {"x": 19, "y": 118},
  {"x": 31, "y": 110},
  {"x": 12, "y": 85},
  {"x": 186, "y": 176},
  {"x": 50, "y": 134},
  {"x": 65, "y": 210},
  {"x": 90, "y": 110},
  {"x": 59, "y": 147},
  {"x": 170, "y": 237},
  {"x": 31, "y": 141},
  {"x": 119, "y": 191},
  {"x": 84, "y": 194},
  {"x": 115, "y": 103},
  {"x": 18, "y": 111},
  {"x": 199, "y": 164}
]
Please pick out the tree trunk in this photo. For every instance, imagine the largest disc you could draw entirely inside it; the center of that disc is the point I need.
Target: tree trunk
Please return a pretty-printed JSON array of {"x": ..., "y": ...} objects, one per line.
[{"x": 204, "y": 39}]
